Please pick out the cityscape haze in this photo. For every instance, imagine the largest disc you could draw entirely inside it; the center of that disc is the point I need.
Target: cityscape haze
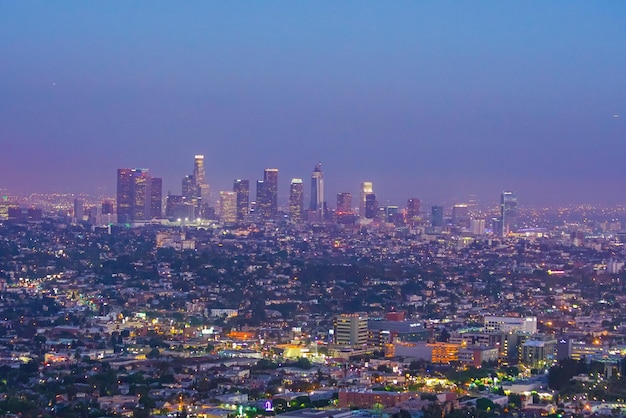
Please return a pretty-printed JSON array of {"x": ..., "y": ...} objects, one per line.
[{"x": 438, "y": 99}]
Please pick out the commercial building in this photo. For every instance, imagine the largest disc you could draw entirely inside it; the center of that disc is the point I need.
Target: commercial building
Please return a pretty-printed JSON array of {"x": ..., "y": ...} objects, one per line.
[
  {"x": 437, "y": 220},
  {"x": 242, "y": 190},
  {"x": 138, "y": 195},
  {"x": 267, "y": 195},
  {"x": 366, "y": 189},
  {"x": 317, "y": 193},
  {"x": 228, "y": 207},
  {"x": 510, "y": 324},
  {"x": 508, "y": 212},
  {"x": 350, "y": 329},
  {"x": 296, "y": 200}
]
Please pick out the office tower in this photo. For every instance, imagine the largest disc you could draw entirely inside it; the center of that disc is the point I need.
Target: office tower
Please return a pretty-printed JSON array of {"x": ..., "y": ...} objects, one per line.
[
  {"x": 190, "y": 192},
  {"x": 228, "y": 207},
  {"x": 267, "y": 194},
  {"x": 195, "y": 190},
  {"x": 478, "y": 226},
  {"x": 107, "y": 207},
  {"x": 371, "y": 206},
  {"x": 366, "y": 188},
  {"x": 436, "y": 213},
  {"x": 392, "y": 213},
  {"x": 124, "y": 194},
  {"x": 271, "y": 184},
  {"x": 350, "y": 329},
  {"x": 200, "y": 179},
  {"x": 461, "y": 215},
  {"x": 202, "y": 187},
  {"x": 317, "y": 192},
  {"x": 412, "y": 210},
  {"x": 344, "y": 203},
  {"x": 296, "y": 200},
  {"x": 242, "y": 189},
  {"x": 156, "y": 197},
  {"x": 510, "y": 324},
  {"x": 437, "y": 216},
  {"x": 79, "y": 209},
  {"x": 262, "y": 204},
  {"x": 198, "y": 169},
  {"x": 508, "y": 212},
  {"x": 138, "y": 195}
]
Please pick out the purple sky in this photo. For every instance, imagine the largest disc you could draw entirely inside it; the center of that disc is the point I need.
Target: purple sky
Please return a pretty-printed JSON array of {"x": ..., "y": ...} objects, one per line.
[{"x": 436, "y": 100}]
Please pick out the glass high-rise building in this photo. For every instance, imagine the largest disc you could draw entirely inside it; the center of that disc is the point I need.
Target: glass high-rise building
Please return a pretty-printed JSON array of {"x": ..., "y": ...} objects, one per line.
[
  {"x": 366, "y": 188},
  {"x": 138, "y": 195},
  {"x": 436, "y": 214},
  {"x": 371, "y": 206},
  {"x": 242, "y": 190},
  {"x": 344, "y": 203},
  {"x": 461, "y": 215},
  {"x": 296, "y": 200},
  {"x": 267, "y": 195},
  {"x": 317, "y": 192},
  {"x": 228, "y": 207},
  {"x": 508, "y": 212}
]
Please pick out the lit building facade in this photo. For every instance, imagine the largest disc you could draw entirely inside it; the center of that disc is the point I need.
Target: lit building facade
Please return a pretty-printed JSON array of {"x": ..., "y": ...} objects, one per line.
[
  {"x": 138, "y": 195},
  {"x": 510, "y": 324},
  {"x": 413, "y": 210},
  {"x": 228, "y": 207},
  {"x": 296, "y": 200},
  {"x": 344, "y": 203},
  {"x": 267, "y": 195},
  {"x": 371, "y": 206},
  {"x": 350, "y": 329},
  {"x": 508, "y": 212},
  {"x": 437, "y": 219},
  {"x": 317, "y": 192},
  {"x": 242, "y": 190},
  {"x": 366, "y": 188}
]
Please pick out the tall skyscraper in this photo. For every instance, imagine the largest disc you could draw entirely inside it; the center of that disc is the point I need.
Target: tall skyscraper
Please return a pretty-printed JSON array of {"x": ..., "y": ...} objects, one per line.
[
  {"x": 190, "y": 191},
  {"x": 202, "y": 187},
  {"x": 366, "y": 188},
  {"x": 371, "y": 206},
  {"x": 138, "y": 195},
  {"x": 437, "y": 217},
  {"x": 107, "y": 207},
  {"x": 267, "y": 195},
  {"x": 196, "y": 190},
  {"x": 79, "y": 209},
  {"x": 317, "y": 192},
  {"x": 344, "y": 203},
  {"x": 296, "y": 200},
  {"x": 242, "y": 189},
  {"x": 228, "y": 207},
  {"x": 156, "y": 197},
  {"x": 508, "y": 212},
  {"x": 413, "y": 210},
  {"x": 461, "y": 215},
  {"x": 198, "y": 169}
]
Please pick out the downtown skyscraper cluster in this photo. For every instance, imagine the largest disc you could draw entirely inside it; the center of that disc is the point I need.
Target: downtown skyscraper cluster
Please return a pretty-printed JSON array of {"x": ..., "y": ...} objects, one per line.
[{"x": 139, "y": 198}]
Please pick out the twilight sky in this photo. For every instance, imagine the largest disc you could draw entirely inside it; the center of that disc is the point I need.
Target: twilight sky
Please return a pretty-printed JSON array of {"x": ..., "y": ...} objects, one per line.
[{"x": 433, "y": 99}]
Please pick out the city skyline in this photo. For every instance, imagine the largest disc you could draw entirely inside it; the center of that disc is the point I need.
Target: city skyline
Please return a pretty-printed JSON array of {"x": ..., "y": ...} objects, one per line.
[{"x": 431, "y": 100}]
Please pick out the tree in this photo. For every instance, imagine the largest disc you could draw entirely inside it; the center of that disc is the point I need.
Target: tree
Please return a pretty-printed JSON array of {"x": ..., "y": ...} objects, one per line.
[
  {"x": 154, "y": 353},
  {"x": 484, "y": 404},
  {"x": 303, "y": 363},
  {"x": 515, "y": 400}
]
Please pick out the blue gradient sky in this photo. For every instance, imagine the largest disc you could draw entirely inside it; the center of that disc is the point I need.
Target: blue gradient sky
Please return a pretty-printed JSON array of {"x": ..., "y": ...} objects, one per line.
[{"x": 435, "y": 99}]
